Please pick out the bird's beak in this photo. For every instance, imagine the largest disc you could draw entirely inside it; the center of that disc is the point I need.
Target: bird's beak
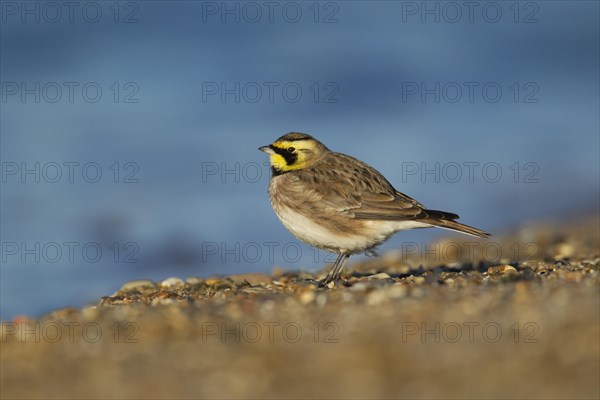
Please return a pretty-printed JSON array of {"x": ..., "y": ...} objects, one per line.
[{"x": 267, "y": 149}]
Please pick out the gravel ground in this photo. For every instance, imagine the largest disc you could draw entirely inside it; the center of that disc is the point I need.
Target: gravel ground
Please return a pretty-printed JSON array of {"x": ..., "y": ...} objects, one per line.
[{"x": 452, "y": 321}]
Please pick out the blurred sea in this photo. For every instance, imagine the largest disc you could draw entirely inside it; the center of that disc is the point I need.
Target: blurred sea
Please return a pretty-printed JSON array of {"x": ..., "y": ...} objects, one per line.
[{"x": 145, "y": 121}]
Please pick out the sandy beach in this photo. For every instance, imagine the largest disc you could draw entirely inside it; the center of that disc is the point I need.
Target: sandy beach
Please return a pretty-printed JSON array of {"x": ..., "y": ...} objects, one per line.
[{"x": 451, "y": 324}]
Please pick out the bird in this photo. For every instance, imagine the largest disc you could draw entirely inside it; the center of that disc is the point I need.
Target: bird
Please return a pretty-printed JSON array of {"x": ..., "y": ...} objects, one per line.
[{"x": 337, "y": 203}]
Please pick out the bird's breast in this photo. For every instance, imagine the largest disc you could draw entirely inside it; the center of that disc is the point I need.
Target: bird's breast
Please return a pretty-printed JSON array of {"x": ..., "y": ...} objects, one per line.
[{"x": 311, "y": 221}]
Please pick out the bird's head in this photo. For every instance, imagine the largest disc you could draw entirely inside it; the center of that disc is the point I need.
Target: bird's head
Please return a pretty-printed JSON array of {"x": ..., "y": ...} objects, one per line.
[{"x": 294, "y": 151}]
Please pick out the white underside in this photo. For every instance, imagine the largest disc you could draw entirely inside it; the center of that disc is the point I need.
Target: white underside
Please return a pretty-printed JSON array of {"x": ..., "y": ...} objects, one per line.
[{"x": 314, "y": 234}]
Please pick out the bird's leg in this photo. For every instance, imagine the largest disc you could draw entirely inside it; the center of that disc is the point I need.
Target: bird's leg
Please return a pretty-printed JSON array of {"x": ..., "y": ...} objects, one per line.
[
  {"x": 340, "y": 268},
  {"x": 331, "y": 274}
]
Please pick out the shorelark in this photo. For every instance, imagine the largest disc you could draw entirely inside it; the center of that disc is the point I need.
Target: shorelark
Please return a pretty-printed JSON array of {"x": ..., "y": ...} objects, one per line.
[{"x": 337, "y": 203}]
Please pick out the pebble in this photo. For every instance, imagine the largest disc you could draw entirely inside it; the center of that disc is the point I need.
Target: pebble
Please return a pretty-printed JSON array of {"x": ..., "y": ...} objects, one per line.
[
  {"x": 140, "y": 283},
  {"x": 307, "y": 297},
  {"x": 418, "y": 280},
  {"x": 255, "y": 290},
  {"x": 171, "y": 282},
  {"x": 192, "y": 280},
  {"x": 565, "y": 250},
  {"x": 542, "y": 269},
  {"x": 381, "y": 275},
  {"x": 162, "y": 301},
  {"x": 502, "y": 269},
  {"x": 213, "y": 281}
]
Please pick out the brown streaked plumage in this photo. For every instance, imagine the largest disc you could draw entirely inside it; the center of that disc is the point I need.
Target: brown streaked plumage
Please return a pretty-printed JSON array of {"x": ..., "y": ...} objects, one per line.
[{"x": 338, "y": 203}]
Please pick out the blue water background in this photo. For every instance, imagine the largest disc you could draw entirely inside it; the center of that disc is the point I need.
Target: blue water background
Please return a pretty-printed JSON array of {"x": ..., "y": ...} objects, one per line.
[{"x": 185, "y": 213}]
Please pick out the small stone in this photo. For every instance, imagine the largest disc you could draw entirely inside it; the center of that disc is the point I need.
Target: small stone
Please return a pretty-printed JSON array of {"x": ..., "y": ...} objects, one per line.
[
  {"x": 502, "y": 269},
  {"x": 330, "y": 285},
  {"x": 565, "y": 250},
  {"x": 164, "y": 298},
  {"x": 543, "y": 269},
  {"x": 162, "y": 301},
  {"x": 172, "y": 282},
  {"x": 255, "y": 290},
  {"x": 213, "y": 281},
  {"x": 381, "y": 275},
  {"x": 192, "y": 280},
  {"x": 135, "y": 285},
  {"x": 307, "y": 297}
]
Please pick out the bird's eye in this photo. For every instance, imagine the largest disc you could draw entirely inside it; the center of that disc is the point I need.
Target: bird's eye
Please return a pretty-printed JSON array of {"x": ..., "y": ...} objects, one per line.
[{"x": 291, "y": 149}]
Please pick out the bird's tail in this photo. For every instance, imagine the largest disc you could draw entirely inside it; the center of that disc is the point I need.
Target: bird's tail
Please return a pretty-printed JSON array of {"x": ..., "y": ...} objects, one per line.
[{"x": 445, "y": 220}]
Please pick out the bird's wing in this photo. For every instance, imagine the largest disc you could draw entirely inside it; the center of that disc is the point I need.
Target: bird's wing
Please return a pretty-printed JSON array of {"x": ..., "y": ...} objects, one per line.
[
  {"x": 375, "y": 206},
  {"x": 356, "y": 189}
]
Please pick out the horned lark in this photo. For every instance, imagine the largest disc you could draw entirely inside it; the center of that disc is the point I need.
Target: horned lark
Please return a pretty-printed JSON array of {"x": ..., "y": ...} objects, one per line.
[{"x": 340, "y": 204}]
